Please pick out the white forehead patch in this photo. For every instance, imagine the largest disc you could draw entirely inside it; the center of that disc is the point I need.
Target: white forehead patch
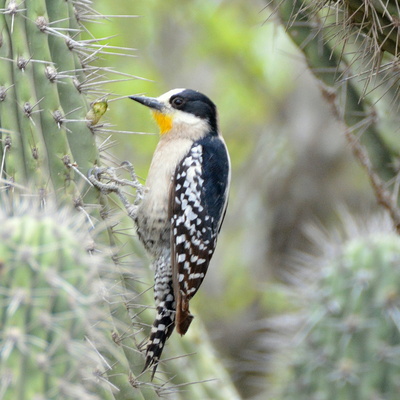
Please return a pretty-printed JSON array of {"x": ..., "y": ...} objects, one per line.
[{"x": 164, "y": 98}]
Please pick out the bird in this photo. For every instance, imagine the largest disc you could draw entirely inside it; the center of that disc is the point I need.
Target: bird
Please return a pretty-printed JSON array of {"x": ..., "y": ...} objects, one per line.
[{"x": 182, "y": 207}]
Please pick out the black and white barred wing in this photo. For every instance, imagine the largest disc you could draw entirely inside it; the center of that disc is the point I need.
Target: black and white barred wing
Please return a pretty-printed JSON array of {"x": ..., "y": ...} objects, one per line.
[{"x": 197, "y": 207}]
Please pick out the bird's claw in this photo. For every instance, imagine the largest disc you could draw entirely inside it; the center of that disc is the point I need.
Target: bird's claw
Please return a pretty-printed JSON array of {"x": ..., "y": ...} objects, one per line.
[{"x": 113, "y": 184}]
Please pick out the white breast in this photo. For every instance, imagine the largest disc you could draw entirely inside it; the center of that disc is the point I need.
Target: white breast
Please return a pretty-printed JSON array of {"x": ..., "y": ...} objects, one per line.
[
  {"x": 166, "y": 157},
  {"x": 152, "y": 218}
]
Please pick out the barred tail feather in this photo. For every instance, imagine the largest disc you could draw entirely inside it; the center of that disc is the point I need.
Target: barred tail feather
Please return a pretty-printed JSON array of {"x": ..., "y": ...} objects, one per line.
[{"x": 162, "y": 329}]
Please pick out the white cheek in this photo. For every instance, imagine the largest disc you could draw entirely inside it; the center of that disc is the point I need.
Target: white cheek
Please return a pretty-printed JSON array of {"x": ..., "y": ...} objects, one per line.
[{"x": 182, "y": 118}]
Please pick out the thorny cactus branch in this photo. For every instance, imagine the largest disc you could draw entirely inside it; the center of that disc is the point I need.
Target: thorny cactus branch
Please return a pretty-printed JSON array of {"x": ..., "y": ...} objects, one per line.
[
  {"x": 379, "y": 20},
  {"x": 383, "y": 196},
  {"x": 345, "y": 45}
]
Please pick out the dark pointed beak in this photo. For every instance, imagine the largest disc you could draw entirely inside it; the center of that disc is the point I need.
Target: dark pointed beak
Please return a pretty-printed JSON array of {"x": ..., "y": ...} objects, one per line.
[{"x": 150, "y": 102}]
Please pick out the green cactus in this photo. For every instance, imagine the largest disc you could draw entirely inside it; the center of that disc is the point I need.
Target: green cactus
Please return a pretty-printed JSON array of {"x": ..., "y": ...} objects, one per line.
[
  {"x": 47, "y": 144},
  {"x": 47, "y": 126},
  {"x": 348, "y": 346},
  {"x": 53, "y": 323},
  {"x": 55, "y": 341}
]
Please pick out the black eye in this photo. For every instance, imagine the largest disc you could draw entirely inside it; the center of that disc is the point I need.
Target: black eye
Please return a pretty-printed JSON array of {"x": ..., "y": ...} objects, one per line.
[{"x": 177, "y": 101}]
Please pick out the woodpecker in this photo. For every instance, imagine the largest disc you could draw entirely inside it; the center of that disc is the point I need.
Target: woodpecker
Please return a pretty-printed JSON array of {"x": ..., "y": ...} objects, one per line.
[{"x": 182, "y": 207}]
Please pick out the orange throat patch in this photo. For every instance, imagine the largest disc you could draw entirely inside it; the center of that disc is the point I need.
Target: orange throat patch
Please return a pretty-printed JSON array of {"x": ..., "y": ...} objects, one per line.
[{"x": 163, "y": 121}]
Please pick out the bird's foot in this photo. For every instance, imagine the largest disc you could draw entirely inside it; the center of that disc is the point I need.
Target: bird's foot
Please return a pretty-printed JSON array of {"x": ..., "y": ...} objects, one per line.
[{"x": 106, "y": 180}]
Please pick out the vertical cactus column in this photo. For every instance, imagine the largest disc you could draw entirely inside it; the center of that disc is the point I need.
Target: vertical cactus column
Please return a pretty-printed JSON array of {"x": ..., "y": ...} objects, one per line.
[
  {"x": 47, "y": 145},
  {"x": 45, "y": 138}
]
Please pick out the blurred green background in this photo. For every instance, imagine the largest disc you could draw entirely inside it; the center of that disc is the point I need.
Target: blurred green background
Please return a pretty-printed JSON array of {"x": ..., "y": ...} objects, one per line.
[{"x": 291, "y": 165}]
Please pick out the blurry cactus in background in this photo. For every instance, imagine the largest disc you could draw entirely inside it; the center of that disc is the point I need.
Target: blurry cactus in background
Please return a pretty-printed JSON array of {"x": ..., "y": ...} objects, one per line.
[
  {"x": 348, "y": 342},
  {"x": 53, "y": 324}
]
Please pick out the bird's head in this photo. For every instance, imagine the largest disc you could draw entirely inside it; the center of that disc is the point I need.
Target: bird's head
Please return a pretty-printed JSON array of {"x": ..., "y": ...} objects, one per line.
[{"x": 181, "y": 108}]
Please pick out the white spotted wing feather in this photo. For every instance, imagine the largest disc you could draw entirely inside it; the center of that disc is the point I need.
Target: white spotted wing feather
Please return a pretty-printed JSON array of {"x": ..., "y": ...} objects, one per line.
[{"x": 197, "y": 207}]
